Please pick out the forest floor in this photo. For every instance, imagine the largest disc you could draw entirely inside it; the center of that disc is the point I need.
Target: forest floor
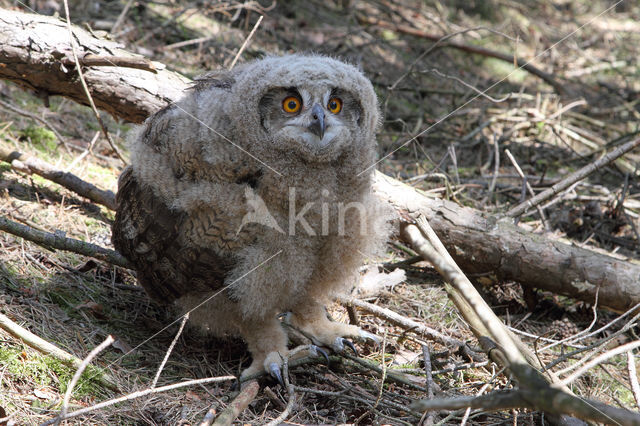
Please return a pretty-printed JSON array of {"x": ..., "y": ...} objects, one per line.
[{"x": 449, "y": 116}]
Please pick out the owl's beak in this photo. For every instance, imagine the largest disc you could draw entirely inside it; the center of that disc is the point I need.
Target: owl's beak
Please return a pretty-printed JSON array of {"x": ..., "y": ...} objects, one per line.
[{"x": 317, "y": 124}]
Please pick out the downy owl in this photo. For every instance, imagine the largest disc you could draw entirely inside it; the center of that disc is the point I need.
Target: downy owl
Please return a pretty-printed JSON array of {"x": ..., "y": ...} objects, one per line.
[{"x": 251, "y": 197}]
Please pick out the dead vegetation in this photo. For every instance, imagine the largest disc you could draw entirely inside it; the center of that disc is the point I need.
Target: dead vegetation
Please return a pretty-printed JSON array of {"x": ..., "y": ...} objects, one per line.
[{"x": 450, "y": 114}]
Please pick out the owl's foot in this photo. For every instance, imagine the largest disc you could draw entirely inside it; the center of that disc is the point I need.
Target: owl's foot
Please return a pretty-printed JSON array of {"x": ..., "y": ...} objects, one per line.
[
  {"x": 323, "y": 332},
  {"x": 272, "y": 362}
]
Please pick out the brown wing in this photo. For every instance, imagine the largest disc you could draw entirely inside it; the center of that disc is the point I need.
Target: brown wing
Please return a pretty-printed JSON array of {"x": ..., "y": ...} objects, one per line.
[{"x": 146, "y": 231}]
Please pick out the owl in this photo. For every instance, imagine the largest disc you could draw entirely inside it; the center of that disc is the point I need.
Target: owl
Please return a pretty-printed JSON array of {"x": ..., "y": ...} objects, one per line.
[{"x": 251, "y": 197}]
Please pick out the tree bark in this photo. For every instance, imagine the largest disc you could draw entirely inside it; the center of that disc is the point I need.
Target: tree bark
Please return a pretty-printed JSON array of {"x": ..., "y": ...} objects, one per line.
[
  {"x": 35, "y": 53},
  {"x": 490, "y": 245},
  {"x": 30, "y": 53}
]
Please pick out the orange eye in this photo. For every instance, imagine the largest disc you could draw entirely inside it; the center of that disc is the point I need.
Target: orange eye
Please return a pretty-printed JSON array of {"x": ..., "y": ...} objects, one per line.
[
  {"x": 291, "y": 104},
  {"x": 335, "y": 105}
]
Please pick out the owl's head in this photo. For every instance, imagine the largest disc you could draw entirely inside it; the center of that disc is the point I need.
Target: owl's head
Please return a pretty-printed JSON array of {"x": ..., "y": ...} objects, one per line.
[{"x": 313, "y": 106}]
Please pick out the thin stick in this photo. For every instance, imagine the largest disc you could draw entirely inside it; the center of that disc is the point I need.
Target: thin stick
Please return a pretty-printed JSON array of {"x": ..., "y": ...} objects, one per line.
[
  {"x": 454, "y": 275},
  {"x": 527, "y": 184},
  {"x": 400, "y": 320},
  {"x": 283, "y": 416},
  {"x": 573, "y": 178},
  {"x": 120, "y": 19},
  {"x": 633, "y": 377},
  {"x": 84, "y": 84},
  {"x": 255, "y": 27},
  {"x": 65, "y": 403},
  {"x": 237, "y": 406},
  {"x": 290, "y": 388},
  {"x": 35, "y": 117},
  {"x": 597, "y": 360},
  {"x": 91, "y": 60},
  {"x": 60, "y": 242},
  {"x": 173, "y": 343},
  {"x": 138, "y": 394}
]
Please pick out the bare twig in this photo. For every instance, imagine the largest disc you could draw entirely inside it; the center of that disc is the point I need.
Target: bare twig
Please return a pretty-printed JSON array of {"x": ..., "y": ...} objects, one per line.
[
  {"x": 573, "y": 178},
  {"x": 27, "y": 164},
  {"x": 84, "y": 84},
  {"x": 91, "y": 60},
  {"x": 633, "y": 377},
  {"x": 391, "y": 375},
  {"x": 60, "y": 242},
  {"x": 521, "y": 398},
  {"x": 454, "y": 275},
  {"x": 534, "y": 391},
  {"x": 401, "y": 320},
  {"x": 235, "y": 407},
  {"x": 383, "y": 377},
  {"x": 246, "y": 42},
  {"x": 290, "y": 388},
  {"x": 467, "y": 412},
  {"x": 527, "y": 184},
  {"x": 430, "y": 384},
  {"x": 121, "y": 17},
  {"x": 144, "y": 392},
  {"x": 67, "y": 395},
  {"x": 185, "y": 318},
  {"x": 597, "y": 360}
]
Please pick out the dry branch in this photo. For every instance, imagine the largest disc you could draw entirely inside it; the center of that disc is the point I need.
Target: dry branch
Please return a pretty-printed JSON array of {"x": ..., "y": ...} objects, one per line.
[
  {"x": 573, "y": 178},
  {"x": 235, "y": 407},
  {"x": 85, "y": 363},
  {"x": 479, "y": 244},
  {"x": 70, "y": 181},
  {"x": 534, "y": 391},
  {"x": 60, "y": 242}
]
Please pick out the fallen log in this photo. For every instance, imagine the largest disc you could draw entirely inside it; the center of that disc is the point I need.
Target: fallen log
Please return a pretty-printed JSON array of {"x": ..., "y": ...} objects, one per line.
[
  {"x": 489, "y": 245},
  {"x": 35, "y": 53},
  {"x": 479, "y": 243}
]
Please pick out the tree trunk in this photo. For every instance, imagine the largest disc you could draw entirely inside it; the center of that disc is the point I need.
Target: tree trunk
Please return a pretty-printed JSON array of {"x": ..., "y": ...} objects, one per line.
[{"x": 34, "y": 50}]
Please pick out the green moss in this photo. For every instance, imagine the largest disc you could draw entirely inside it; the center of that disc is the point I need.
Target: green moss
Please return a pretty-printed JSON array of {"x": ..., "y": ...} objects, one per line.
[
  {"x": 41, "y": 138},
  {"x": 501, "y": 69},
  {"x": 45, "y": 370}
]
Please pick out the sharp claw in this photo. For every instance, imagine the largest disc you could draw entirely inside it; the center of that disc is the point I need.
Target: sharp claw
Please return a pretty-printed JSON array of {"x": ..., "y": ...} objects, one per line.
[
  {"x": 351, "y": 346},
  {"x": 235, "y": 386},
  {"x": 319, "y": 350},
  {"x": 274, "y": 370},
  {"x": 366, "y": 335}
]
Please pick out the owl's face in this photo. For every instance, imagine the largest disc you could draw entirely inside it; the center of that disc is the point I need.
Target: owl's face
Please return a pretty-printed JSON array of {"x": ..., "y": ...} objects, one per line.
[{"x": 316, "y": 121}]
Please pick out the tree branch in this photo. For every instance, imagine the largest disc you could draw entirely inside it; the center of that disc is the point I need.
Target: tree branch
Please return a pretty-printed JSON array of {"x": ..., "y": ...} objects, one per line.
[
  {"x": 70, "y": 181},
  {"x": 60, "y": 242}
]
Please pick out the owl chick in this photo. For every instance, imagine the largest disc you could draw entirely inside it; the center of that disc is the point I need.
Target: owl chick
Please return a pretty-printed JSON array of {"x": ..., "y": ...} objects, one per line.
[{"x": 251, "y": 197}]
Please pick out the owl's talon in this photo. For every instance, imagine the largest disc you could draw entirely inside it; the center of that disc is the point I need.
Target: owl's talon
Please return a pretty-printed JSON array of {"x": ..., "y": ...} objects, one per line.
[
  {"x": 274, "y": 370},
  {"x": 370, "y": 336},
  {"x": 318, "y": 350},
  {"x": 351, "y": 346}
]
